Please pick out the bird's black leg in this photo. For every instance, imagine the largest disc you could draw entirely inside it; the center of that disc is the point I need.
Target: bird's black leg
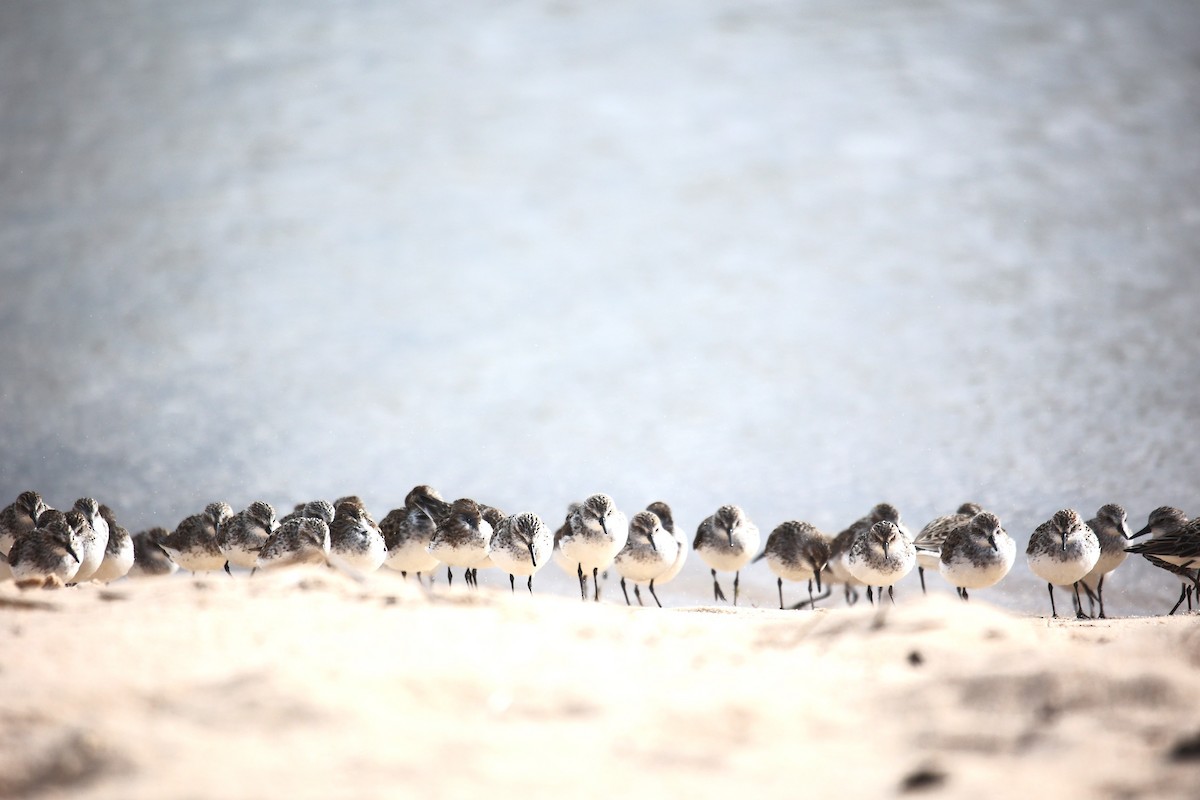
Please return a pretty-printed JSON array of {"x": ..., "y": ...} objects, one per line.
[
  {"x": 717, "y": 593},
  {"x": 582, "y": 585},
  {"x": 596, "y": 584},
  {"x": 1053, "y": 610},
  {"x": 529, "y": 583},
  {"x": 966, "y": 596},
  {"x": 637, "y": 592},
  {"x": 921, "y": 574},
  {"x": 779, "y": 583},
  {"x": 1182, "y": 592},
  {"x": 811, "y": 600},
  {"x": 404, "y": 575},
  {"x": 449, "y": 577},
  {"x": 1079, "y": 604},
  {"x": 625, "y": 593},
  {"x": 736, "y": 575},
  {"x": 870, "y": 596},
  {"x": 1100, "y": 596},
  {"x": 891, "y": 594},
  {"x": 652, "y": 594},
  {"x": 227, "y": 572},
  {"x": 512, "y": 584}
]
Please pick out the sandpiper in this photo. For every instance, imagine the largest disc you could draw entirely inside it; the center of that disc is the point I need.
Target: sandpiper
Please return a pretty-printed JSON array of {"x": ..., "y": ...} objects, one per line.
[
  {"x": 726, "y": 541},
  {"x": 492, "y": 516},
  {"x": 193, "y": 543},
  {"x": 838, "y": 571},
  {"x": 149, "y": 559},
  {"x": 407, "y": 531},
  {"x": 300, "y": 540},
  {"x": 19, "y": 516},
  {"x": 1175, "y": 541},
  {"x": 95, "y": 539},
  {"x": 929, "y": 541},
  {"x": 44, "y": 557},
  {"x": 977, "y": 555},
  {"x": 242, "y": 536},
  {"x": 880, "y": 556},
  {"x": 462, "y": 538},
  {"x": 118, "y": 552},
  {"x": 649, "y": 551},
  {"x": 663, "y": 512},
  {"x": 796, "y": 551},
  {"x": 354, "y": 538},
  {"x": 1061, "y": 551},
  {"x": 1111, "y": 527},
  {"x": 322, "y": 509},
  {"x": 589, "y": 539},
  {"x": 521, "y": 545}
]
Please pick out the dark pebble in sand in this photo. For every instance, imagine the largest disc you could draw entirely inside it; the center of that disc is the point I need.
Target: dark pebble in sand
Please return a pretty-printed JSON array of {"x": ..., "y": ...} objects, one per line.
[
  {"x": 921, "y": 779},
  {"x": 1186, "y": 749}
]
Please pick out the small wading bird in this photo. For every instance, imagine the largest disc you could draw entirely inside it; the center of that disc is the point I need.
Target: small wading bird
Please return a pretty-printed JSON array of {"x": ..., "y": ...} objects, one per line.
[
  {"x": 1061, "y": 551},
  {"x": 589, "y": 539},
  {"x": 726, "y": 541},
  {"x": 880, "y": 556},
  {"x": 796, "y": 551}
]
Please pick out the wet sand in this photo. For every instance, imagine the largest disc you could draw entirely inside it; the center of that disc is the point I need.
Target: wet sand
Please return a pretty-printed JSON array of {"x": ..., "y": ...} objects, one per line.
[{"x": 310, "y": 685}]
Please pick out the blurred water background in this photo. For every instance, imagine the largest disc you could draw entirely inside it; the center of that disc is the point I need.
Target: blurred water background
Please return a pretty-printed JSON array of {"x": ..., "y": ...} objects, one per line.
[{"x": 801, "y": 256}]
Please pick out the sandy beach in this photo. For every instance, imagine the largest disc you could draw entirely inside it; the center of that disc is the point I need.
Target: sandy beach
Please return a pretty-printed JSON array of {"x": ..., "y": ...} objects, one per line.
[{"x": 308, "y": 684}]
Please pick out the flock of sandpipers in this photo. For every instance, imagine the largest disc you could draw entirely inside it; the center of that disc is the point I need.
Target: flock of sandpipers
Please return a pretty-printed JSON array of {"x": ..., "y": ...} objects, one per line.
[{"x": 44, "y": 547}]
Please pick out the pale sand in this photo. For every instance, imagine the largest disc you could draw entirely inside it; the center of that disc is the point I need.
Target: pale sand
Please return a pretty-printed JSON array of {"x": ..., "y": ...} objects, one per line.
[{"x": 309, "y": 685}]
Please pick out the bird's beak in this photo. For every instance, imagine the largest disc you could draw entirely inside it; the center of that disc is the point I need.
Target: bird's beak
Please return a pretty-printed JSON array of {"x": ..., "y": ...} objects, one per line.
[
  {"x": 730, "y": 532},
  {"x": 71, "y": 550},
  {"x": 818, "y": 575},
  {"x": 603, "y": 526},
  {"x": 885, "y": 550},
  {"x": 1140, "y": 533},
  {"x": 653, "y": 546},
  {"x": 532, "y": 557},
  {"x": 1064, "y": 538},
  {"x": 992, "y": 542}
]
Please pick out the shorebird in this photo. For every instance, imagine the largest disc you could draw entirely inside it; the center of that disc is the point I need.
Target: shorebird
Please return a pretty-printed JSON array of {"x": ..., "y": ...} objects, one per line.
[
  {"x": 462, "y": 538},
  {"x": 19, "y": 516},
  {"x": 726, "y": 541},
  {"x": 407, "y": 531},
  {"x": 1061, "y": 551},
  {"x": 649, "y": 551},
  {"x": 492, "y": 516},
  {"x": 929, "y": 541},
  {"x": 242, "y": 536},
  {"x": 1176, "y": 541},
  {"x": 1111, "y": 527},
  {"x": 977, "y": 555},
  {"x": 95, "y": 539},
  {"x": 149, "y": 559},
  {"x": 193, "y": 543},
  {"x": 663, "y": 512},
  {"x": 839, "y": 572},
  {"x": 521, "y": 545},
  {"x": 118, "y": 552},
  {"x": 589, "y": 539},
  {"x": 354, "y": 538},
  {"x": 321, "y": 509},
  {"x": 300, "y": 540},
  {"x": 880, "y": 556},
  {"x": 44, "y": 557},
  {"x": 796, "y": 551}
]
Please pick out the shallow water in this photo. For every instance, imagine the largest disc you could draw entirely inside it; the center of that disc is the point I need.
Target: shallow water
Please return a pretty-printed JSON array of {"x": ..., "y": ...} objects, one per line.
[{"x": 800, "y": 256}]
